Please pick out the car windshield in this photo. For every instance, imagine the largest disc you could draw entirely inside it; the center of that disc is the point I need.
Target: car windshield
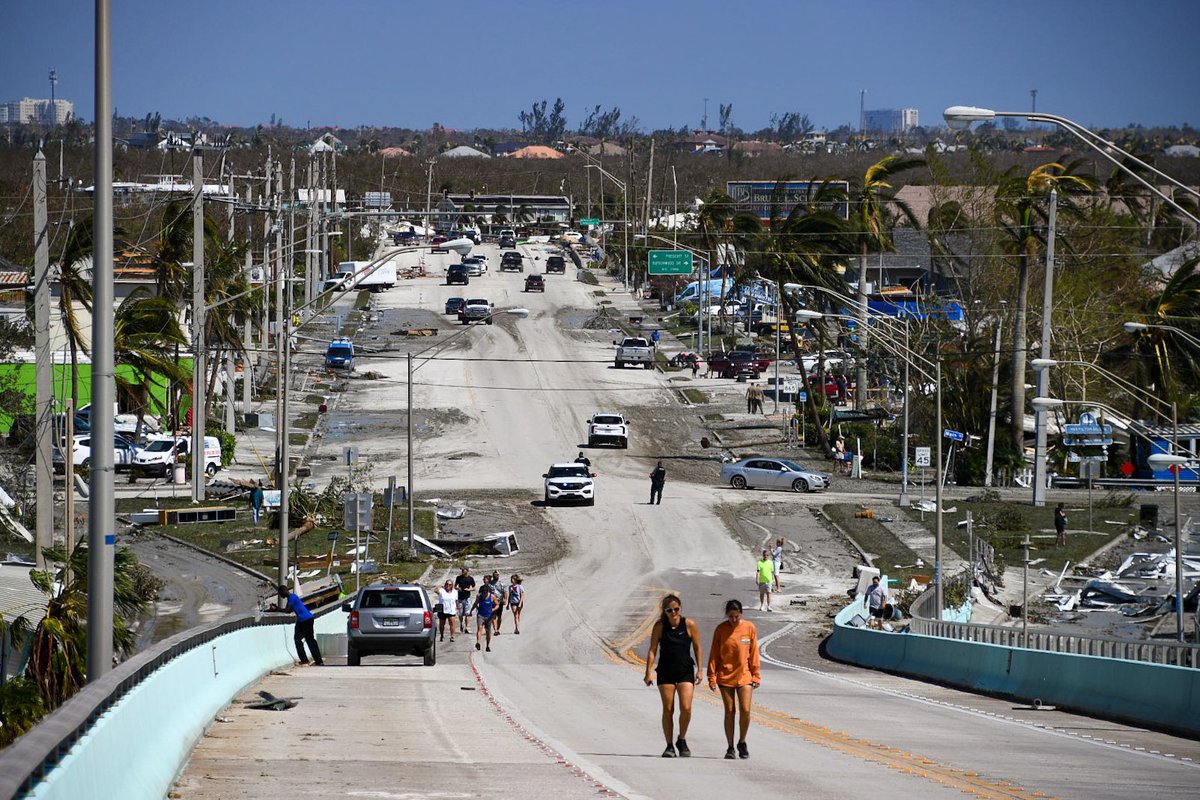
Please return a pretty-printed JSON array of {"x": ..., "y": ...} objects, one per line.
[
  {"x": 391, "y": 598},
  {"x": 159, "y": 446},
  {"x": 569, "y": 471},
  {"x": 607, "y": 419}
]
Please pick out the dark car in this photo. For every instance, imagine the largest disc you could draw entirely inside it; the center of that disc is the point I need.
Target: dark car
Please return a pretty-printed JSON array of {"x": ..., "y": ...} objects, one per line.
[
  {"x": 535, "y": 283},
  {"x": 738, "y": 363},
  {"x": 390, "y": 619},
  {"x": 507, "y": 242},
  {"x": 556, "y": 264},
  {"x": 458, "y": 273},
  {"x": 455, "y": 304},
  {"x": 512, "y": 261}
]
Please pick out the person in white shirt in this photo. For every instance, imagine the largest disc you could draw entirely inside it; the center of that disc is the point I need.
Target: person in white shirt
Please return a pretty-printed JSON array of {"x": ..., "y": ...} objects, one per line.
[
  {"x": 777, "y": 557},
  {"x": 448, "y": 598},
  {"x": 877, "y": 601}
]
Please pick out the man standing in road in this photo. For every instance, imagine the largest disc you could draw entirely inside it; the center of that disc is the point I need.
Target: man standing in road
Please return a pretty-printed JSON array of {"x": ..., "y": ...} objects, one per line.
[
  {"x": 463, "y": 584},
  {"x": 304, "y": 625},
  {"x": 658, "y": 477},
  {"x": 582, "y": 459},
  {"x": 1060, "y": 525},
  {"x": 765, "y": 571},
  {"x": 485, "y": 605}
]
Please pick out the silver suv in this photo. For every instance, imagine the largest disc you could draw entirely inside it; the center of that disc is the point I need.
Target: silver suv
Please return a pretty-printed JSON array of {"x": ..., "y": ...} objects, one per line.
[{"x": 390, "y": 619}]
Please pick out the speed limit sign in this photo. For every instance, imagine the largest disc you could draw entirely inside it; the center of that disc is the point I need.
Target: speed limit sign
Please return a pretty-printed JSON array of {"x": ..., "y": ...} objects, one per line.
[{"x": 922, "y": 457}]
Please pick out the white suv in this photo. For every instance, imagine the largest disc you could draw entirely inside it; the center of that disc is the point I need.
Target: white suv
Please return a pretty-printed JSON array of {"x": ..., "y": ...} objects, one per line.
[
  {"x": 570, "y": 481},
  {"x": 608, "y": 427}
]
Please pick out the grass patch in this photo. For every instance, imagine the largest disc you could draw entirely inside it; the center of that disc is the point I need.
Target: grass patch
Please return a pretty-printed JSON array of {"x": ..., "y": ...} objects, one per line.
[
  {"x": 314, "y": 399},
  {"x": 298, "y": 438},
  {"x": 363, "y": 301},
  {"x": 714, "y": 417},
  {"x": 874, "y": 537},
  {"x": 696, "y": 397},
  {"x": 306, "y": 421}
]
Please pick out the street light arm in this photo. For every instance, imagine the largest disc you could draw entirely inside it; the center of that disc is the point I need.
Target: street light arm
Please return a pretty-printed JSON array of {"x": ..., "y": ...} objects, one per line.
[
  {"x": 608, "y": 175},
  {"x": 1164, "y": 407},
  {"x": 1134, "y": 327}
]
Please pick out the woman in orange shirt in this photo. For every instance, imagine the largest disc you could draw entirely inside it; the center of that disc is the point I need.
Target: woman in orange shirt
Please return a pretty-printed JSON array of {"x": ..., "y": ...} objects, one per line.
[{"x": 734, "y": 667}]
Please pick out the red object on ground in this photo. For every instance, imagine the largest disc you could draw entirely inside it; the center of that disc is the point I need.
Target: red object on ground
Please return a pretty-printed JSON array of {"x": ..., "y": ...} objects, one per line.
[{"x": 1127, "y": 469}]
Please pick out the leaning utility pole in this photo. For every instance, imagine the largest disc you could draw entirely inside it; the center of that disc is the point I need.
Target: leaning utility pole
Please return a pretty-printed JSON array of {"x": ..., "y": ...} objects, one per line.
[
  {"x": 102, "y": 518},
  {"x": 44, "y": 361},
  {"x": 283, "y": 350},
  {"x": 199, "y": 345}
]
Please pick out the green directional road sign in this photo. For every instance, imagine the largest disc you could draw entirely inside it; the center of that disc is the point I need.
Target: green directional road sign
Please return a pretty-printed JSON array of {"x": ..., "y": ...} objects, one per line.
[
  {"x": 670, "y": 262},
  {"x": 591, "y": 222}
]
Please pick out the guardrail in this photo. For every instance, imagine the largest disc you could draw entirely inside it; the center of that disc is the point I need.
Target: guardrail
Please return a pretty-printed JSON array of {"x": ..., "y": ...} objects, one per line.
[{"x": 1172, "y": 653}]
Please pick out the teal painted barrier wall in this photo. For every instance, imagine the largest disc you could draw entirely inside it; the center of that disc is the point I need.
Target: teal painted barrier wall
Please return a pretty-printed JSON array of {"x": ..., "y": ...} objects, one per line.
[
  {"x": 1155, "y": 695},
  {"x": 167, "y": 713}
]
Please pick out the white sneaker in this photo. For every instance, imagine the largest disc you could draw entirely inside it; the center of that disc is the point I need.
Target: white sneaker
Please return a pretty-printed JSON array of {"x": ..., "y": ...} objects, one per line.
[{"x": 770, "y": 609}]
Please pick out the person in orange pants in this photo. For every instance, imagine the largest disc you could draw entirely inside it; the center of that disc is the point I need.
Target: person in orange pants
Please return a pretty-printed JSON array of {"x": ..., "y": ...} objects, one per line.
[{"x": 734, "y": 668}]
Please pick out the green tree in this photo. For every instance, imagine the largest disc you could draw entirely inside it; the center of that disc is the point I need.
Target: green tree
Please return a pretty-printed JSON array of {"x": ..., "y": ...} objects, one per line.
[
  {"x": 146, "y": 333},
  {"x": 1166, "y": 361},
  {"x": 75, "y": 291}
]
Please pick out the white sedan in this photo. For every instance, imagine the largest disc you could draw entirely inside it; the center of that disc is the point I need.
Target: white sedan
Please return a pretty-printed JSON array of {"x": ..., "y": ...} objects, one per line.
[{"x": 773, "y": 473}]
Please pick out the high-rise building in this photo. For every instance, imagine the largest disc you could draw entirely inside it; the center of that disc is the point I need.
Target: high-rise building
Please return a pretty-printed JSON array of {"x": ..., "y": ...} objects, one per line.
[
  {"x": 45, "y": 112},
  {"x": 891, "y": 120}
]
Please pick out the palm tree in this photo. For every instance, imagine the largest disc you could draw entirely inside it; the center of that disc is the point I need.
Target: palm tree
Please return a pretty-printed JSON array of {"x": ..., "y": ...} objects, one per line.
[
  {"x": 173, "y": 249},
  {"x": 873, "y": 200},
  {"x": 1171, "y": 363},
  {"x": 75, "y": 289},
  {"x": 58, "y": 659},
  {"x": 146, "y": 332},
  {"x": 1019, "y": 213},
  {"x": 226, "y": 283}
]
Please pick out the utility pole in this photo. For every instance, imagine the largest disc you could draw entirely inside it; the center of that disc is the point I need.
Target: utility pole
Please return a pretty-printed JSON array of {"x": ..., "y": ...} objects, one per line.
[
  {"x": 1033, "y": 97},
  {"x": 102, "y": 521},
  {"x": 199, "y": 343},
  {"x": 862, "y": 112},
  {"x": 230, "y": 388},
  {"x": 704, "y": 122},
  {"x": 991, "y": 444},
  {"x": 283, "y": 350},
  {"x": 44, "y": 395},
  {"x": 248, "y": 328},
  {"x": 1043, "y": 377}
]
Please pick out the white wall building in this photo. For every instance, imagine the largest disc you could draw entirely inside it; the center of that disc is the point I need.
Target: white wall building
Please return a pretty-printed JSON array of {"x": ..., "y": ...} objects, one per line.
[
  {"x": 891, "y": 120},
  {"x": 46, "y": 112}
]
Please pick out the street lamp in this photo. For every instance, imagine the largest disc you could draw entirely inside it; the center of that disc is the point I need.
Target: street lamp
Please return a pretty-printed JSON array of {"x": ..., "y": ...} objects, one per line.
[
  {"x": 936, "y": 376},
  {"x": 1156, "y": 461},
  {"x": 625, "y": 202},
  {"x": 516, "y": 312},
  {"x": 1136, "y": 327},
  {"x": 961, "y": 118}
]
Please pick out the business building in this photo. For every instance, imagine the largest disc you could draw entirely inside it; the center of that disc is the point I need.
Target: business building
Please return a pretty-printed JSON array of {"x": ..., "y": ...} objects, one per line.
[
  {"x": 890, "y": 120},
  {"x": 45, "y": 112}
]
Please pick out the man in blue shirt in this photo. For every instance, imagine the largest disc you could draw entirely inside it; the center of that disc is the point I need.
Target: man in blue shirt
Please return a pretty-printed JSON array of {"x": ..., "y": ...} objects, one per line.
[{"x": 304, "y": 626}]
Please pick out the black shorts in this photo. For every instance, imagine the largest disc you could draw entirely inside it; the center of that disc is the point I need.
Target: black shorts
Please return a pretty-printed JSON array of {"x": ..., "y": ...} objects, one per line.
[
  {"x": 444, "y": 615},
  {"x": 671, "y": 677},
  {"x": 881, "y": 613}
]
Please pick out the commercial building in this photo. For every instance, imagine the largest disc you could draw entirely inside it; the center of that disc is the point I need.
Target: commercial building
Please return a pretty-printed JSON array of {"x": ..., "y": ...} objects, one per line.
[
  {"x": 45, "y": 112},
  {"x": 891, "y": 120}
]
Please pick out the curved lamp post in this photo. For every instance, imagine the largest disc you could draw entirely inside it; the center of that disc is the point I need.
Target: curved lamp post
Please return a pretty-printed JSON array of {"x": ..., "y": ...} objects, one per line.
[{"x": 936, "y": 376}]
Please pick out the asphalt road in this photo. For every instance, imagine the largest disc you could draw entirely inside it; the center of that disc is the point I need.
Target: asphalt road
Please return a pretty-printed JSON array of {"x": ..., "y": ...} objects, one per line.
[{"x": 561, "y": 711}]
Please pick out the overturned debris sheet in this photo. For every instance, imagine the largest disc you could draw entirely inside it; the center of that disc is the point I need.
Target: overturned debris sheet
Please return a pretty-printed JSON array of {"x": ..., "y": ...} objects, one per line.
[
  {"x": 451, "y": 512},
  {"x": 272, "y": 703}
]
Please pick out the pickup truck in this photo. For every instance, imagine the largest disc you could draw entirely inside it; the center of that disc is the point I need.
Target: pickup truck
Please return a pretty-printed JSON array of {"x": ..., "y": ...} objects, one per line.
[
  {"x": 476, "y": 310},
  {"x": 608, "y": 427},
  {"x": 738, "y": 362},
  {"x": 634, "y": 350}
]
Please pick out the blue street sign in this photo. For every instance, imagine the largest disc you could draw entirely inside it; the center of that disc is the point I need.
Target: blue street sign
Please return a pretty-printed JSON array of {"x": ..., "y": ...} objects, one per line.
[{"x": 953, "y": 436}]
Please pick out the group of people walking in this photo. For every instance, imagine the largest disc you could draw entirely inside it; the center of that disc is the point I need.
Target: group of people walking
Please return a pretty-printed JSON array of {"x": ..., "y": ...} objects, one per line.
[
  {"x": 487, "y": 606},
  {"x": 673, "y": 662}
]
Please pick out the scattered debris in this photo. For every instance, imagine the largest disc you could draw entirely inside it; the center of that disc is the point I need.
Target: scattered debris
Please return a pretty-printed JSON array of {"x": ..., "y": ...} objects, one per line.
[{"x": 272, "y": 703}]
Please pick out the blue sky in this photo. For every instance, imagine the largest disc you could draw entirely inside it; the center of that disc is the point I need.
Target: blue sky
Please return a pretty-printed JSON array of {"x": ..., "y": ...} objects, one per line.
[{"x": 478, "y": 64}]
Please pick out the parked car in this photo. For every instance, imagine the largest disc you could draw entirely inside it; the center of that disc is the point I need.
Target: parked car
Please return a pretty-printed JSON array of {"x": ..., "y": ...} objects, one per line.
[
  {"x": 455, "y": 304},
  {"x": 634, "y": 350},
  {"x": 390, "y": 619},
  {"x": 340, "y": 354},
  {"x": 556, "y": 264},
  {"x": 608, "y": 427},
  {"x": 476, "y": 309},
  {"x": 737, "y": 363},
  {"x": 773, "y": 473},
  {"x": 535, "y": 283},
  {"x": 123, "y": 453},
  {"x": 512, "y": 260},
  {"x": 569, "y": 481},
  {"x": 458, "y": 273},
  {"x": 162, "y": 452}
]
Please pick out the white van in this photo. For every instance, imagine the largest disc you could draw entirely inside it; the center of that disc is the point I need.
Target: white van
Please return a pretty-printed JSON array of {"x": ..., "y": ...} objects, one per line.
[{"x": 161, "y": 453}]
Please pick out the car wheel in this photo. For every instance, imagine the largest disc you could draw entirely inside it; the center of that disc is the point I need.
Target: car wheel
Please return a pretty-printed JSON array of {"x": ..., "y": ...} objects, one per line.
[
  {"x": 353, "y": 659},
  {"x": 620, "y": 365},
  {"x": 87, "y": 463},
  {"x": 546, "y": 499},
  {"x": 431, "y": 654},
  {"x": 737, "y": 482},
  {"x": 490, "y": 320},
  {"x": 211, "y": 470},
  {"x": 649, "y": 365},
  {"x": 466, "y": 322},
  {"x": 591, "y": 501},
  {"x": 624, "y": 444},
  {"x": 799, "y": 485}
]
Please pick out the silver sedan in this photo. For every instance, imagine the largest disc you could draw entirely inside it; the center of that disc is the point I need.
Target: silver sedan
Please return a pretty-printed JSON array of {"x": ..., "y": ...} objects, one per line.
[{"x": 773, "y": 473}]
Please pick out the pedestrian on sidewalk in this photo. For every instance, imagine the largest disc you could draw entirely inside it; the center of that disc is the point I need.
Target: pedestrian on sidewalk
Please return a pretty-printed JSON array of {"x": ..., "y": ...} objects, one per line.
[
  {"x": 734, "y": 668},
  {"x": 464, "y": 584},
  {"x": 448, "y": 603},
  {"x": 501, "y": 600},
  {"x": 878, "y": 607},
  {"x": 485, "y": 608},
  {"x": 658, "y": 478},
  {"x": 765, "y": 570},
  {"x": 673, "y": 641},
  {"x": 256, "y": 502},
  {"x": 695, "y": 364},
  {"x": 516, "y": 601},
  {"x": 304, "y": 625},
  {"x": 1060, "y": 525},
  {"x": 777, "y": 560},
  {"x": 754, "y": 398}
]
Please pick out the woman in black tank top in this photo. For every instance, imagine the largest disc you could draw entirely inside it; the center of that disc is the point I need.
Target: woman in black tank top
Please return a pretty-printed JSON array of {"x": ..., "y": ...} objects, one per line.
[{"x": 674, "y": 641}]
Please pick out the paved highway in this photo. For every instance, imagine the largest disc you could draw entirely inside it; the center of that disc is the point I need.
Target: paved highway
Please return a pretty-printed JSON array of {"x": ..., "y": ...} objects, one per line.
[{"x": 561, "y": 711}]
